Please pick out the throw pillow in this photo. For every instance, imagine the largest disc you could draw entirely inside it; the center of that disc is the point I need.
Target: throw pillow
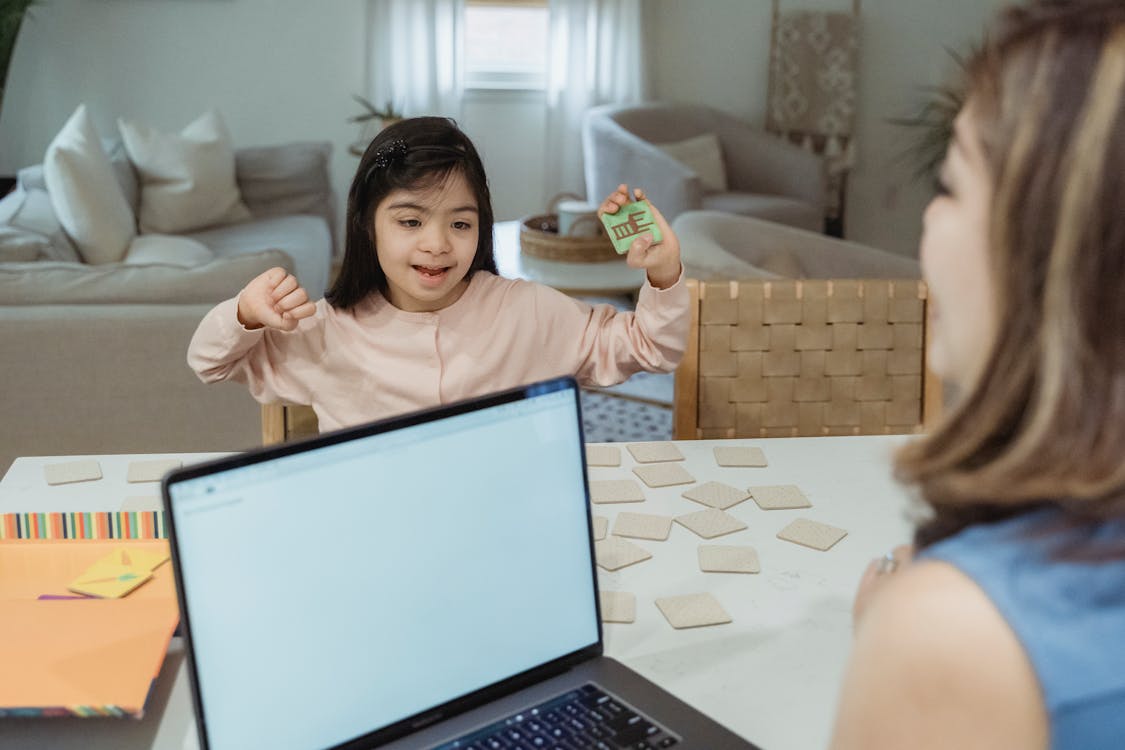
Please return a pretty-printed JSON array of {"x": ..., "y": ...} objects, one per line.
[
  {"x": 84, "y": 192},
  {"x": 187, "y": 179},
  {"x": 30, "y": 210},
  {"x": 21, "y": 246},
  {"x": 168, "y": 249},
  {"x": 702, "y": 155}
]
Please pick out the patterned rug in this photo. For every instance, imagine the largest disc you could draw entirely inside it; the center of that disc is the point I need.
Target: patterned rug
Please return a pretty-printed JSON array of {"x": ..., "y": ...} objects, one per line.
[{"x": 611, "y": 419}]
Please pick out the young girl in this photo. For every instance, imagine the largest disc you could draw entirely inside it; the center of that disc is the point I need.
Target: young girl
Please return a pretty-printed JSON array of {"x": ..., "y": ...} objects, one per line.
[
  {"x": 418, "y": 316},
  {"x": 1008, "y": 630}
]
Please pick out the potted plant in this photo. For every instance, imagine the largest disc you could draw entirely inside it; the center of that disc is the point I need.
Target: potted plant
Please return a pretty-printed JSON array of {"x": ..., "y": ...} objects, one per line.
[
  {"x": 933, "y": 124},
  {"x": 372, "y": 120},
  {"x": 12, "y": 13}
]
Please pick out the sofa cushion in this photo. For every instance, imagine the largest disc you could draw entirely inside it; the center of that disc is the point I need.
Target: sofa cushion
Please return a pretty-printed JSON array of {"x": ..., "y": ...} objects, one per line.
[
  {"x": 187, "y": 178},
  {"x": 287, "y": 179},
  {"x": 702, "y": 155},
  {"x": 168, "y": 249},
  {"x": 21, "y": 246},
  {"x": 52, "y": 283},
  {"x": 774, "y": 208},
  {"x": 29, "y": 210},
  {"x": 85, "y": 194},
  {"x": 304, "y": 238}
]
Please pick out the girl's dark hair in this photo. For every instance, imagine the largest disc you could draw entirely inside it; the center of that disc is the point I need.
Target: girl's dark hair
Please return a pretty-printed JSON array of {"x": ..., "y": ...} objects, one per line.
[
  {"x": 413, "y": 154},
  {"x": 1044, "y": 422}
]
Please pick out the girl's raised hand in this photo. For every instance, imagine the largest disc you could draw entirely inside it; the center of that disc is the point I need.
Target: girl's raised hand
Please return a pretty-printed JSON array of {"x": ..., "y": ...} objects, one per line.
[
  {"x": 660, "y": 259},
  {"x": 274, "y": 299}
]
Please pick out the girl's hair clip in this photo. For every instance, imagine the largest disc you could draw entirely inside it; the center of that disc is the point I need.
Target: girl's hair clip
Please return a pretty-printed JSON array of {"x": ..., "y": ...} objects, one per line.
[{"x": 390, "y": 153}]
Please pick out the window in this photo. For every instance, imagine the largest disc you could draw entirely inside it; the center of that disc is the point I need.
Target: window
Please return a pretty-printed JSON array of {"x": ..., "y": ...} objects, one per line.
[{"x": 506, "y": 44}]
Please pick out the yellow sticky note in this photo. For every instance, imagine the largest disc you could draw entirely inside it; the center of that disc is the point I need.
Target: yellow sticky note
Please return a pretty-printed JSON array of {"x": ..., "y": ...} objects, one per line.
[
  {"x": 140, "y": 560},
  {"x": 118, "y": 573},
  {"x": 108, "y": 581}
]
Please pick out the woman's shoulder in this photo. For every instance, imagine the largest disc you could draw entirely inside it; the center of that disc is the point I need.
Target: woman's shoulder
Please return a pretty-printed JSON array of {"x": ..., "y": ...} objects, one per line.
[{"x": 933, "y": 658}]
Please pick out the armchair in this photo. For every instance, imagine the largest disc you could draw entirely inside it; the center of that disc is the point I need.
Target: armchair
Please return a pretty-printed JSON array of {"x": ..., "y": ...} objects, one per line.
[{"x": 766, "y": 176}]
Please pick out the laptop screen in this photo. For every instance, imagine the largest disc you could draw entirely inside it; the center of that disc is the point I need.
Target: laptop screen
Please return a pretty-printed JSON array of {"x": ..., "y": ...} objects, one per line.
[{"x": 336, "y": 590}]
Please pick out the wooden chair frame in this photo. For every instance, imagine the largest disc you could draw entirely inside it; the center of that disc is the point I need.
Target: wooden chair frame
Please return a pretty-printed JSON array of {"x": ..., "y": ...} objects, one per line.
[{"x": 284, "y": 422}]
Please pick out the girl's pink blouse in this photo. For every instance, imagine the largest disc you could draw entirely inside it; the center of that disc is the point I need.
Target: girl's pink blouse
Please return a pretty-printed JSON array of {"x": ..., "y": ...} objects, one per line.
[{"x": 376, "y": 361}]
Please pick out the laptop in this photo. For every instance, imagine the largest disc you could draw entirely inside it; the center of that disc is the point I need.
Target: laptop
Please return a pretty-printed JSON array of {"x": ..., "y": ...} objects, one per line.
[{"x": 426, "y": 581}]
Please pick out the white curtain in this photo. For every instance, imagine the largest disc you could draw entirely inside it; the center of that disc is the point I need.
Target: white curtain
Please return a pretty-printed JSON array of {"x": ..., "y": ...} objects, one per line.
[
  {"x": 416, "y": 55},
  {"x": 596, "y": 56}
]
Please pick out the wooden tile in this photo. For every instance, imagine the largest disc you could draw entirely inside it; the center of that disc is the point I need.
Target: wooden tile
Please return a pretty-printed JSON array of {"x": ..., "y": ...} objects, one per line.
[
  {"x": 728, "y": 558},
  {"x": 818, "y": 536},
  {"x": 692, "y": 611},
  {"x": 654, "y": 452},
  {"x": 617, "y": 606},
  {"x": 615, "y": 491},
  {"x": 741, "y": 456}
]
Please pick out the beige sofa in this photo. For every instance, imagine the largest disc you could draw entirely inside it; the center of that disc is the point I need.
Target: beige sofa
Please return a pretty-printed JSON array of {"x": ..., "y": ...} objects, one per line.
[
  {"x": 93, "y": 357},
  {"x": 717, "y": 245}
]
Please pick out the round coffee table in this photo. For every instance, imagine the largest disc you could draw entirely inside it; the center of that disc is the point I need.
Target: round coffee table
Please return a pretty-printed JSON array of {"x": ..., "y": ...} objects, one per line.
[{"x": 611, "y": 277}]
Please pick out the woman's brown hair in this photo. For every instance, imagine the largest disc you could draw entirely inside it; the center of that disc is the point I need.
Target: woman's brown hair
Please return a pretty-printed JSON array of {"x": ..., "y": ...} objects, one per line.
[{"x": 1044, "y": 422}]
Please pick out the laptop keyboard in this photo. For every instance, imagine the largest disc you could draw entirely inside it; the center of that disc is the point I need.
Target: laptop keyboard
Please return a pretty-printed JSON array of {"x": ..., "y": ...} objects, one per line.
[{"x": 581, "y": 719}]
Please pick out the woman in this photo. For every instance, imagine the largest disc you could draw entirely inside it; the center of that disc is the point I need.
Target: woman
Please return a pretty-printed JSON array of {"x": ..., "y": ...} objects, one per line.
[{"x": 1008, "y": 628}]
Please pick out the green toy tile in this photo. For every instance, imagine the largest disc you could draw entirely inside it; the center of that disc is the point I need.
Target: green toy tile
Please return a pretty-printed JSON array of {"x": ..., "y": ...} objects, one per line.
[{"x": 630, "y": 221}]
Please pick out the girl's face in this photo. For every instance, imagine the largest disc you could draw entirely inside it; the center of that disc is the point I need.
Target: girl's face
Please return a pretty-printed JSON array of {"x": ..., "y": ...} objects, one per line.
[
  {"x": 425, "y": 241},
  {"x": 955, "y": 260}
]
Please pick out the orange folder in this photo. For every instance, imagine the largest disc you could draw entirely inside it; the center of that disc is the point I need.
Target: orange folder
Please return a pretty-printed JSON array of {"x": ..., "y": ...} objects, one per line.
[{"x": 84, "y": 657}]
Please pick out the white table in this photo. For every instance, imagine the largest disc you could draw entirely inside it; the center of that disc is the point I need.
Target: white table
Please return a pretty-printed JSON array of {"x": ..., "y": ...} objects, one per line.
[
  {"x": 772, "y": 675},
  {"x": 611, "y": 277}
]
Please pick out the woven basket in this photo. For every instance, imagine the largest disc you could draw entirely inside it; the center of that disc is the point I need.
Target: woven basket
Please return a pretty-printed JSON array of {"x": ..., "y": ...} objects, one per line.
[{"x": 539, "y": 238}]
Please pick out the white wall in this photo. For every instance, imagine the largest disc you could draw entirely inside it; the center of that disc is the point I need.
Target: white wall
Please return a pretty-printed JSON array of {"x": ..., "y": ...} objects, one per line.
[
  {"x": 717, "y": 53},
  {"x": 282, "y": 70},
  {"x": 277, "y": 70}
]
